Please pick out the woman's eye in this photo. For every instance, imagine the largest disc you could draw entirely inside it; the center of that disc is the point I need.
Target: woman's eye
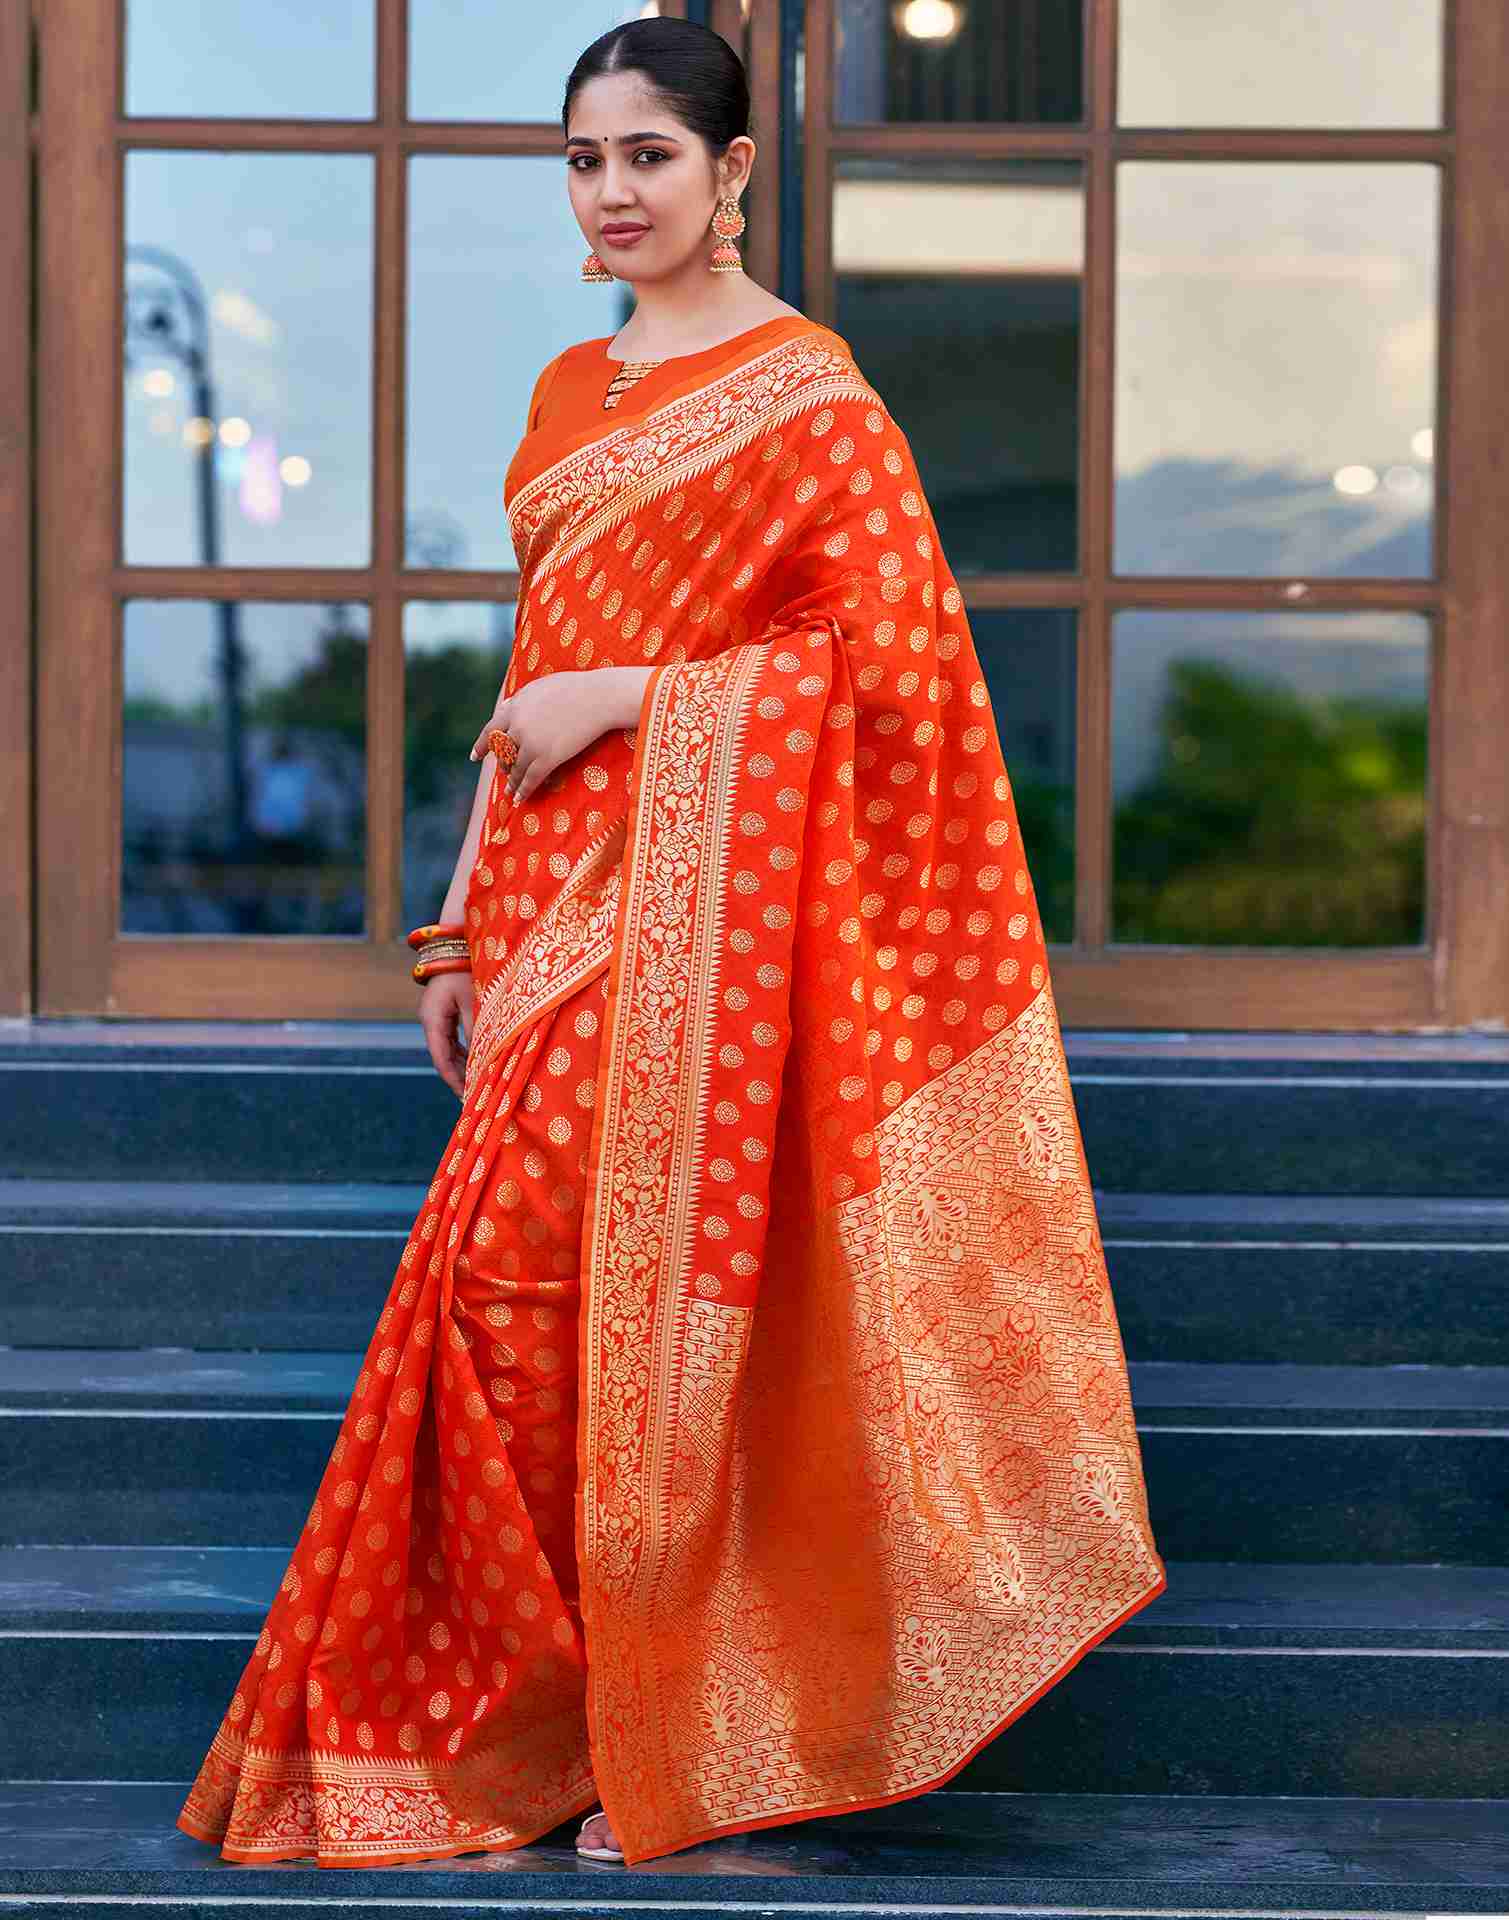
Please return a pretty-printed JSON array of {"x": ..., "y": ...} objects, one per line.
[{"x": 585, "y": 162}]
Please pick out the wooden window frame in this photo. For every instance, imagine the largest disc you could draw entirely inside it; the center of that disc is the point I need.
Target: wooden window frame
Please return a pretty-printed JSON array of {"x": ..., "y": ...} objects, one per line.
[
  {"x": 1460, "y": 974},
  {"x": 1460, "y": 977},
  {"x": 84, "y": 964},
  {"x": 16, "y": 453}
]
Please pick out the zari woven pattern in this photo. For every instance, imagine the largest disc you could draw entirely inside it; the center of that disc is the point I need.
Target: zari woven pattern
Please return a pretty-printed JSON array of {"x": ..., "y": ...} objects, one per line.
[{"x": 746, "y": 1434}]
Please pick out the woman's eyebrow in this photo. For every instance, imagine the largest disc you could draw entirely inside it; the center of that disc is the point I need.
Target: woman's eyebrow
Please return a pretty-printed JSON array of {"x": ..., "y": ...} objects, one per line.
[{"x": 624, "y": 139}]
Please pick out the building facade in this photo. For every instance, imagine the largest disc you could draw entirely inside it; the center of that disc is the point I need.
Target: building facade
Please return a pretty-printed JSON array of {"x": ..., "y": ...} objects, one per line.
[{"x": 1191, "y": 314}]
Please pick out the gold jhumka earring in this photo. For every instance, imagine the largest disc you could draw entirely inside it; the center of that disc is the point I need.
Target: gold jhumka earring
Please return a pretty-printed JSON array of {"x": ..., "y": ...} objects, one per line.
[
  {"x": 728, "y": 224},
  {"x": 594, "y": 271}
]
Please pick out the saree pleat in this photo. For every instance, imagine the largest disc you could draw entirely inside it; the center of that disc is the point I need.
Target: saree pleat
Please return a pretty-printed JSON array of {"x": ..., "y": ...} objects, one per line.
[
  {"x": 416, "y": 1690},
  {"x": 767, "y": 1113}
]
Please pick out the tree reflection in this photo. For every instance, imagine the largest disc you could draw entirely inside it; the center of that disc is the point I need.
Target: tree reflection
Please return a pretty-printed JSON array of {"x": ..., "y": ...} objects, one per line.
[{"x": 1275, "y": 819}]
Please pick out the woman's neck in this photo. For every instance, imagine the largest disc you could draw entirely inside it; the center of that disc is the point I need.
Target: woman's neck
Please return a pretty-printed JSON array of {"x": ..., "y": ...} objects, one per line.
[{"x": 678, "y": 316}]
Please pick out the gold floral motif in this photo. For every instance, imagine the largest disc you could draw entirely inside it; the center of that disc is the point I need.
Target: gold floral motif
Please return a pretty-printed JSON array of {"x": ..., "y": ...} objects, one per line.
[
  {"x": 574, "y": 500},
  {"x": 983, "y": 1402}
]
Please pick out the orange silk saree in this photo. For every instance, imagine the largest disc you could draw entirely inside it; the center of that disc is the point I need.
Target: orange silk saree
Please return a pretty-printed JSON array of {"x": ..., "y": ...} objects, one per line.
[{"x": 747, "y": 1433}]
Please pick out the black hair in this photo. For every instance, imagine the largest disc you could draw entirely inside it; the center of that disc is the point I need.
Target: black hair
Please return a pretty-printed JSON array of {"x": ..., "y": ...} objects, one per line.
[{"x": 694, "y": 70}]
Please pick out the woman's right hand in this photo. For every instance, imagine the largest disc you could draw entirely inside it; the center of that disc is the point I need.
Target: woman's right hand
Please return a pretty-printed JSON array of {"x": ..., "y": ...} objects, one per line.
[{"x": 445, "y": 1008}]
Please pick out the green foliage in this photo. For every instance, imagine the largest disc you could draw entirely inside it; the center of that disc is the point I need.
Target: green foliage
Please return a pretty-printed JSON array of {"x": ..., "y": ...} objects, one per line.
[
  {"x": 328, "y": 696},
  {"x": 1045, "y": 820},
  {"x": 1274, "y": 819},
  {"x": 448, "y": 694}
]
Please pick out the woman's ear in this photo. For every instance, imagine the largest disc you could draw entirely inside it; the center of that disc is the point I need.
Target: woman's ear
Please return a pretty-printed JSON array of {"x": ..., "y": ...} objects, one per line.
[{"x": 735, "y": 165}]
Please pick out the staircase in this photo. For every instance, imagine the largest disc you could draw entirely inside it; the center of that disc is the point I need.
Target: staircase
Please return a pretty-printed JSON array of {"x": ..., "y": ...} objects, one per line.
[{"x": 1309, "y": 1243}]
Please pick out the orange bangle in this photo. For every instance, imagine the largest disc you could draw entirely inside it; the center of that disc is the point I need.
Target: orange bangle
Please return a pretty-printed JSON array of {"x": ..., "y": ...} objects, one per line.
[
  {"x": 422, "y": 970},
  {"x": 440, "y": 930}
]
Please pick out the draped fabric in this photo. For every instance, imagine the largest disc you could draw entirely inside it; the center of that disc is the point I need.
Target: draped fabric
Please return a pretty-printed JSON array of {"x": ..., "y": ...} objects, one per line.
[{"x": 766, "y": 1109}]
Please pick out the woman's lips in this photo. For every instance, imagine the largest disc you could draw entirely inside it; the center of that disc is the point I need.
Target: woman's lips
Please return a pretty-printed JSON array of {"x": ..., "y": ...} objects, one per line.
[{"x": 623, "y": 236}]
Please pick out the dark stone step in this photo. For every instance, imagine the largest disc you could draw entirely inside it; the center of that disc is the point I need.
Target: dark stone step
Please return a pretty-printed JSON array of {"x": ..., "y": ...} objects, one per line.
[
  {"x": 1109, "y": 1855},
  {"x": 1327, "y": 1278},
  {"x": 1302, "y": 1116},
  {"x": 1297, "y": 1128},
  {"x": 199, "y": 1264},
  {"x": 1183, "y": 1393},
  {"x": 314, "y": 1119},
  {"x": 66, "y": 1589},
  {"x": 1313, "y": 1279},
  {"x": 1243, "y": 1463}
]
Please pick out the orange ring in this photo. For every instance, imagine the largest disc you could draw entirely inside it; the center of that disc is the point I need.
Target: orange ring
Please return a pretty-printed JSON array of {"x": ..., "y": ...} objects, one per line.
[{"x": 504, "y": 746}]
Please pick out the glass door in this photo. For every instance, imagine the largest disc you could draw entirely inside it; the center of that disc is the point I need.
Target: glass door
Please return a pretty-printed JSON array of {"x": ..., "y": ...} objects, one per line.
[
  {"x": 1191, "y": 317},
  {"x": 298, "y": 280},
  {"x": 1172, "y": 301}
]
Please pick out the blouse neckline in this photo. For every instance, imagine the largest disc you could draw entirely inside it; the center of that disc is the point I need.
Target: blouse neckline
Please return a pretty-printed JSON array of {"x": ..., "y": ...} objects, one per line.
[{"x": 677, "y": 359}]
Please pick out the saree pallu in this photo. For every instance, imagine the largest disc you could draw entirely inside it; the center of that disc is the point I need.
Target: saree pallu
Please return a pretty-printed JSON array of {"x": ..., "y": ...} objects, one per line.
[{"x": 856, "y": 1475}]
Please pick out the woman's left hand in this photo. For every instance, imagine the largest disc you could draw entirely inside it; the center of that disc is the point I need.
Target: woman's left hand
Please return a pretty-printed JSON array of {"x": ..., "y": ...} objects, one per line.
[{"x": 553, "y": 718}]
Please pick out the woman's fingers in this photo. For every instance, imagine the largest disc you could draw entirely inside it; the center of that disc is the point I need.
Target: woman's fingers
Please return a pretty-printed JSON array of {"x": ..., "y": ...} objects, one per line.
[
  {"x": 499, "y": 719},
  {"x": 526, "y": 780},
  {"x": 443, "y": 1054},
  {"x": 439, "y": 1011},
  {"x": 517, "y": 774}
]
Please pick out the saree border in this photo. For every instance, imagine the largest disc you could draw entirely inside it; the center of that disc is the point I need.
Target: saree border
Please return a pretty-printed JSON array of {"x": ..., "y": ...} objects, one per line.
[
  {"x": 667, "y": 955},
  {"x": 565, "y": 947},
  {"x": 642, "y": 1337},
  {"x": 926, "y": 1145},
  {"x": 640, "y": 1314},
  {"x": 623, "y": 431},
  {"x": 637, "y": 462},
  {"x": 354, "y": 1790}
]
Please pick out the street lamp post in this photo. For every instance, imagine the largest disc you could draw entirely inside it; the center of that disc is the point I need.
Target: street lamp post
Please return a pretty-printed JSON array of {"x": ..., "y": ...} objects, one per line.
[{"x": 173, "y": 320}]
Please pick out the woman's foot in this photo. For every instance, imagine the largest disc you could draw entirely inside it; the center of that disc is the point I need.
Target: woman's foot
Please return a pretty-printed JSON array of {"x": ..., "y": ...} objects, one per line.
[{"x": 597, "y": 1840}]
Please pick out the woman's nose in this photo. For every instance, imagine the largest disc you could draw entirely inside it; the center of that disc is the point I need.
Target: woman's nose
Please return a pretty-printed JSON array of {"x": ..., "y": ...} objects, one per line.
[{"x": 617, "y": 187}]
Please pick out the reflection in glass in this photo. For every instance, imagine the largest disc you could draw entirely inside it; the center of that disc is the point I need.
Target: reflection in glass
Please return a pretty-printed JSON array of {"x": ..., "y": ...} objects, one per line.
[
  {"x": 1275, "y": 368},
  {"x": 244, "y": 806},
  {"x": 1269, "y": 774},
  {"x": 275, "y": 59},
  {"x": 248, "y": 347},
  {"x": 950, "y": 60},
  {"x": 959, "y": 292},
  {"x": 475, "y": 60},
  {"x": 495, "y": 292},
  {"x": 1280, "y": 63},
  {"x": 455, "y": 656},
  {"x": 1027, "y": 654}
]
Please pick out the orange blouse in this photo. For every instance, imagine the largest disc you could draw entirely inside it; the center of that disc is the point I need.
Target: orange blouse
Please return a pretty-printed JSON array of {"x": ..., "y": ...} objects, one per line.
[{"x": 567, "y": 402}]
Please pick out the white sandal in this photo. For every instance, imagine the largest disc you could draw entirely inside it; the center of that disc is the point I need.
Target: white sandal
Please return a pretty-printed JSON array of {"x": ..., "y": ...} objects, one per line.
[{"x": 597, "y": 1853}]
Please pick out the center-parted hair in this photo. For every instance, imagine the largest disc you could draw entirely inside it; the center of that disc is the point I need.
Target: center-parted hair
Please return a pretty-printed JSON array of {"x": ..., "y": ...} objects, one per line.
[{"x": 694, "y": 70}]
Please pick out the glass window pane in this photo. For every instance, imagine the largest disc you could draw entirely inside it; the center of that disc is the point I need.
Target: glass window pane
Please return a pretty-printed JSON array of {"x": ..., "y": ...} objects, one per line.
[
  {"x": 958, "y": 286},
  {"x": 1275, "y": 368},
  {"x": 475, "y": 60},
  {"x": 248, "y": 388},
  {"x": 1028, "y": 657},
  {"x": 949, "y": 60},
  {"x": 1269, "y": 778},
  {"x": 251, "y": 59},
  {"x": 1280, "y": 63},
  {"x": 455, "y": 656},
  {"x": 245, "y": 770},
  {"x": 495, "y": 291}
]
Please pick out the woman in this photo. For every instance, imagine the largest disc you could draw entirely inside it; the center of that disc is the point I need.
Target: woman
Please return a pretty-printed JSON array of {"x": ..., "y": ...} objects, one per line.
[{"x": 746, "y": 1435}]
